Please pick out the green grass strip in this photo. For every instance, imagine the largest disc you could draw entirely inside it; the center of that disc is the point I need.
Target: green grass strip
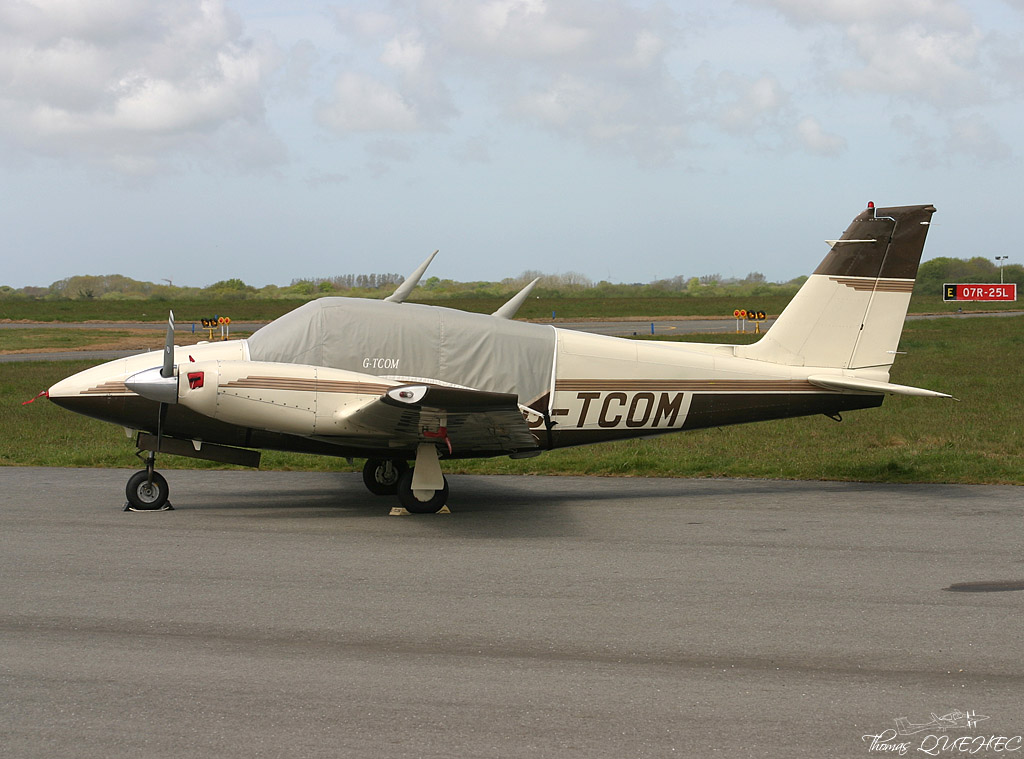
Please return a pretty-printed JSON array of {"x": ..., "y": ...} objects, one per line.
[{"x": 976, "y": 440}]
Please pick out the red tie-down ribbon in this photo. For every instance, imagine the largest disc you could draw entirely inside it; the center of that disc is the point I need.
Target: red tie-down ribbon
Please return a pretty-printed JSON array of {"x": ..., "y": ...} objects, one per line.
[
  {"x": 442, "y": 434},
  {"x": 42, "y": 394}
]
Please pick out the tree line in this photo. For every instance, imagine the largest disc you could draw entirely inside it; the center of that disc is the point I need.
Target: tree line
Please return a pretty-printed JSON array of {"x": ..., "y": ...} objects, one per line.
[{"x": 931, "y": 276}]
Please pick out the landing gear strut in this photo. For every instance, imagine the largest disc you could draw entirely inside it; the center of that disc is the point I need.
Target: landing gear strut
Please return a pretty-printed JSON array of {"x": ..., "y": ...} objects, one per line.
[
  {"x": 147, "y": 489},
  {"x": 421, "y": 501},
  {"x": 381, "y": 476},
  {"x": 423, "y": 489}
]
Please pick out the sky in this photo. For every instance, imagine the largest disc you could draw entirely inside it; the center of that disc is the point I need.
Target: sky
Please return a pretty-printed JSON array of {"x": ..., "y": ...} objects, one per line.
[{"x": 201, "y": 140}]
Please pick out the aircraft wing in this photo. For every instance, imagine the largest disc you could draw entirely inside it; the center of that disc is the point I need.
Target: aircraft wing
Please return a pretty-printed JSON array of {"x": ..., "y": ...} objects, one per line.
[
  {"x": 463, "y": 420},
  {"x": 351, "y": 408}
]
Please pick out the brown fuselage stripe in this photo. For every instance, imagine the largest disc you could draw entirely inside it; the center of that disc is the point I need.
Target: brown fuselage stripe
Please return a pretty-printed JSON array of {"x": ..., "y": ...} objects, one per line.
[
  {"x": 879, "y": 285},
  {"x": 705, "y": 386},
  {"x": 307, "y": 385}
]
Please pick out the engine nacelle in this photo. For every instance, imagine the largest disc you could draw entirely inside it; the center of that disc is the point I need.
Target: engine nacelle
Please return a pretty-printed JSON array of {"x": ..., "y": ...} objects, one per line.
[{"x": 293, "y": 398}]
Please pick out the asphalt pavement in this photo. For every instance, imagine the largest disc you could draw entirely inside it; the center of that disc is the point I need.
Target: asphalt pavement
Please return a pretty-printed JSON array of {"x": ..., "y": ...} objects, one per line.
[{"x": 285, "y": 614}]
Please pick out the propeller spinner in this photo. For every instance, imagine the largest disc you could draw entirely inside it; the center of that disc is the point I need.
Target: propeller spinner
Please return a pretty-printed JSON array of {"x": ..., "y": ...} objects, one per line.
[{"x": 159, "y": 383}]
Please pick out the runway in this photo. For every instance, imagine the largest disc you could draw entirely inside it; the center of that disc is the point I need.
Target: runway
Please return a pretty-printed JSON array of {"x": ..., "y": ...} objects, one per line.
[{"x": 284, "y": 614}]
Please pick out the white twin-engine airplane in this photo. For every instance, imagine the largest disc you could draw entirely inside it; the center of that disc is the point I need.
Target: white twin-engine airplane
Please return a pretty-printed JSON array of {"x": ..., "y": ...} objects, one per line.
[{"x": 396, "y": 382}]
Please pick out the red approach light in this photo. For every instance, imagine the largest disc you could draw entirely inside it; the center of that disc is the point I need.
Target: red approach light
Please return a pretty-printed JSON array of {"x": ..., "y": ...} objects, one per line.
[{"x": 195, "y": 380}]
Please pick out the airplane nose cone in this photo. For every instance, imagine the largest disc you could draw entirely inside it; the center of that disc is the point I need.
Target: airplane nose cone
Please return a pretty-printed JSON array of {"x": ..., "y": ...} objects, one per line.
[
  {"x": 98, "y": 392},
  {"x": 83, "y": 388}
]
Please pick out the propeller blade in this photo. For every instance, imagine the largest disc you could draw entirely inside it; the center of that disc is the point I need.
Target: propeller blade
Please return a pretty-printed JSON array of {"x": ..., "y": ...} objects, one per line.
[
  {"x": 168, "y": 368},
  {"x": 159, "y": 383}
]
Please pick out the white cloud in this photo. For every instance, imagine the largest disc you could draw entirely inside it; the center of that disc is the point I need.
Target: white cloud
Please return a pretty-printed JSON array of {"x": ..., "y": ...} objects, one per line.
[
  {"x": 816, "y": 140},
  {"x": 975, "y": 136},
  {"x": 940, "y": 67},
  {"x": 126, "y": 82},
  {"x": 949, "y": 59},
  {"x": 971, "y": 137},
  {"x": 589, "y": 71},
  {"x": 367, "y": 25},
  {"x": 405, "y": 53},
  {"x": 573, "y": 104},
  {"x": 517, "y": 29},
  {"x": 877, "y": 12},
  {"x": 920, "y": 50},
  {"x": 749, "y": 102},
  {"x": 1007, "y": 51},
  {"x": 361, "y": 103}
]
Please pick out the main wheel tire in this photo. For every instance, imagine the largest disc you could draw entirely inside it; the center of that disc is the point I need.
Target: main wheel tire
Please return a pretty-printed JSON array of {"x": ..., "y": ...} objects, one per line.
[
  {"x": 413, "y": 504},
  {"x": 377, "y": 478},
  {"x": 144, "y": 494}
]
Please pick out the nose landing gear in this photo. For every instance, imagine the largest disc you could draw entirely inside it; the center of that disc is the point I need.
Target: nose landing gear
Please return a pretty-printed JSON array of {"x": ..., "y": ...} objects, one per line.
[
  {"x": 381, "y": 476},
  {"x": 147, "y": 489}
]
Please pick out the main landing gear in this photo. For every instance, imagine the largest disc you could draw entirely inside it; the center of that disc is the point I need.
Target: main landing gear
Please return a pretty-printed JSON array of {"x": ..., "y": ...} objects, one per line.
[
  {"x": 147, "y": 489},
  {"x": 421, "y": 490}
]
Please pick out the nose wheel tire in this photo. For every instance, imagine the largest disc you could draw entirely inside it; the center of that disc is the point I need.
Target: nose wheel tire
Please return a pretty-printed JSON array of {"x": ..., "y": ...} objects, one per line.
[
  {"x": 381, "y": 476},
  {"x": 408, "y": 498},
  {"x": 146, "y": 493}
]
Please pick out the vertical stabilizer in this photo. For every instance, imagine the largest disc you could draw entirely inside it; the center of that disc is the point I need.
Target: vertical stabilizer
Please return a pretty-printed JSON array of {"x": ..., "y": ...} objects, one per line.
[{"x": 850, "y": 312}]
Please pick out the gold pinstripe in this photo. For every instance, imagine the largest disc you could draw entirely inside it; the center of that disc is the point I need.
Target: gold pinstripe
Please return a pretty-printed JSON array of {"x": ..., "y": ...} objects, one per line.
[
  {"x": 307, "y": 385},
  {"x": 108, "y": 388},
  {"x": 879, "y": 285}
]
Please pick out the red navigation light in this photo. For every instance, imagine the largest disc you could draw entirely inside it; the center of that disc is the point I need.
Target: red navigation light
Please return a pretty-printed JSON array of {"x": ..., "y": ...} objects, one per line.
[{"x": 871, "y": 204}]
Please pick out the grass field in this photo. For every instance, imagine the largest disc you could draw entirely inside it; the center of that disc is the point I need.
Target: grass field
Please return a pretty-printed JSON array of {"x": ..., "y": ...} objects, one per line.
[
  {"x": 43, "y": 339},
  {"x": 976, "y": 440},
  {"x": 584, "y": 307}
]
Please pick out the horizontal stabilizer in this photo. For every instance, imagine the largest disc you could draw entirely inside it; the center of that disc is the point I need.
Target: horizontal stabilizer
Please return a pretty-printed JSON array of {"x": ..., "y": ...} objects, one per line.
[{"x": 833, "y": 382}]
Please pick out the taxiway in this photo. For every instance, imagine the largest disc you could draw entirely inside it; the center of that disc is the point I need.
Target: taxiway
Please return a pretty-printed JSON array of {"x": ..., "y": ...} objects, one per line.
[{"x": 285, "y": 614}]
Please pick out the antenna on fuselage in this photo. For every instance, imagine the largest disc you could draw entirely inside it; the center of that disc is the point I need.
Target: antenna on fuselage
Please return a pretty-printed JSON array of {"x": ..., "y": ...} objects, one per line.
[
  {"x": 509, "y": 309},
  {"x": 403, "y": 290}
]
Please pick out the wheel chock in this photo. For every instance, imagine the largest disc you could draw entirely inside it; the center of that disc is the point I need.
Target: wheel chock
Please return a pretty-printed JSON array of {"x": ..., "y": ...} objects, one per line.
[
  {"x": 128, "y": 507},
  {"x": 400, "y": 511}
]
